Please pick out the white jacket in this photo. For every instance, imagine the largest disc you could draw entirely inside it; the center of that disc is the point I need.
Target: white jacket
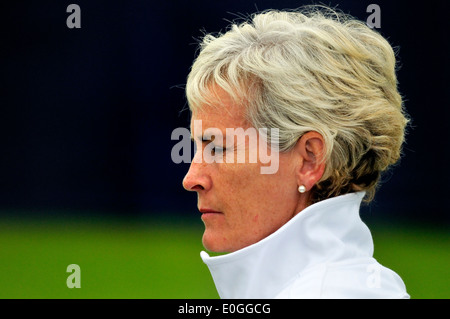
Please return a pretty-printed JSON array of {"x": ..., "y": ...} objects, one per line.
[{"x": 325, "y": 251}]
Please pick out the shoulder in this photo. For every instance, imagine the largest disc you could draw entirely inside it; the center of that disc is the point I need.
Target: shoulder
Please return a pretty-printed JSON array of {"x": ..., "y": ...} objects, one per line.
[{"x": 353, "y": 279}]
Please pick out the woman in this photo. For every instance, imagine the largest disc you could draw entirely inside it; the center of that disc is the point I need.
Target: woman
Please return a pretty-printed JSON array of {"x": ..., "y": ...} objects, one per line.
[{"x": 326, "y": 84}]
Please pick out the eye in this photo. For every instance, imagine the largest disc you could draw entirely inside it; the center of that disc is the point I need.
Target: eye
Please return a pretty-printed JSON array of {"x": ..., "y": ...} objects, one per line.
[{"x": 218, "y": 150}]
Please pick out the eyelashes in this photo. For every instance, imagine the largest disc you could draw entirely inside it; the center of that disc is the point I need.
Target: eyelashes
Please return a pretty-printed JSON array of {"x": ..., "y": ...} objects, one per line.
[{"x": 218, "y": 150}]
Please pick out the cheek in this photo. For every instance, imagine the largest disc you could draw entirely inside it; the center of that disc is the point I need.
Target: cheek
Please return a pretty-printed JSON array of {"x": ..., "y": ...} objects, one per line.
[
  {"x": 246, "y": 183},
  {"x": 238, "y": 187},
  {"x": 239, "y": 178},
  {"x": 247, "y": 193},
  {"x": 265, "y": 199},
  {"x": 254, "y": 206}
]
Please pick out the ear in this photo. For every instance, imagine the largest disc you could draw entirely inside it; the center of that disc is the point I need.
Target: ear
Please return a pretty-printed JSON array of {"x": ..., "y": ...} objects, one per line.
[{"x": 310, "y": 149}]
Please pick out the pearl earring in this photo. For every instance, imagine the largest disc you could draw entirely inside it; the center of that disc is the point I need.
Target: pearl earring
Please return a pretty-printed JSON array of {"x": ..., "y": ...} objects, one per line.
[{"x": 302, "y": 188}]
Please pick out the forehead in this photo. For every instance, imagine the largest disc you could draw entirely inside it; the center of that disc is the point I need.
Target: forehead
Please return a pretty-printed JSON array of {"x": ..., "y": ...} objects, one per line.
[{"x": 223, "y": 113}]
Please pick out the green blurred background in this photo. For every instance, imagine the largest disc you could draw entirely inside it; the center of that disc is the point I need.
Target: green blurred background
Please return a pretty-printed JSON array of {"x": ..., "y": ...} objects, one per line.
[{"x": 159, "y": 257}]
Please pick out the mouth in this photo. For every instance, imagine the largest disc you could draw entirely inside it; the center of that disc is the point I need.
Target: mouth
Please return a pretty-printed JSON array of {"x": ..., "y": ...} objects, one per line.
[
  {"x": 208, "y": 214},
  {"x": 206, "y": 211}
]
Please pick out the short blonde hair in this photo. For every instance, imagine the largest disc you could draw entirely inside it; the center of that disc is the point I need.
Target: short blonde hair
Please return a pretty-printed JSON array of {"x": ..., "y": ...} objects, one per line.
[{"x": 311, "y": 69}]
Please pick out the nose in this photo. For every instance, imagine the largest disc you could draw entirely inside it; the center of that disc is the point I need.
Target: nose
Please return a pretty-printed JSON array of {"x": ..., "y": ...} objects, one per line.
[{"x": 197, "y": 178}]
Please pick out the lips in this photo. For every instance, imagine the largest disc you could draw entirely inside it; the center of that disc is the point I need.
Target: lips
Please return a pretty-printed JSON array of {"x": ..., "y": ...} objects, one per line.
[
  {"x": 210, "y": 215},
  {"x": 208, "y": 211}
]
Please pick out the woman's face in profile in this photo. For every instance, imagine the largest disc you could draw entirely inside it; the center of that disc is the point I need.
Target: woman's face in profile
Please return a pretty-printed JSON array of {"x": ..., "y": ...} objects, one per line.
[{"x": 239, "y": 205}]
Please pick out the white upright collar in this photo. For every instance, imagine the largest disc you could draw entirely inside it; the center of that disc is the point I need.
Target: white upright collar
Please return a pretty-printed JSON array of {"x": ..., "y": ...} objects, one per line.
[{"x": 328, "y": 231}]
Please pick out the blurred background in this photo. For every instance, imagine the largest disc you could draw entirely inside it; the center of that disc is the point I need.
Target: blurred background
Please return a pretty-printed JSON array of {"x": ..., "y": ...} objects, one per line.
[{"x": 86, "y": 175}]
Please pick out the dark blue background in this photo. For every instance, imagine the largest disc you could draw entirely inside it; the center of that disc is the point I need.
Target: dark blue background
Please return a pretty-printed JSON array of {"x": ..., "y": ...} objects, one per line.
[{"x": 86, "y": 114}]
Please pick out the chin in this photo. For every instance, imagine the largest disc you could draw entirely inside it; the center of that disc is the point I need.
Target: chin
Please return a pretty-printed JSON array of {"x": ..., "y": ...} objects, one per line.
[
  {"x": 212, "y": 243},
  {"x": 217, "y": 242}
]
